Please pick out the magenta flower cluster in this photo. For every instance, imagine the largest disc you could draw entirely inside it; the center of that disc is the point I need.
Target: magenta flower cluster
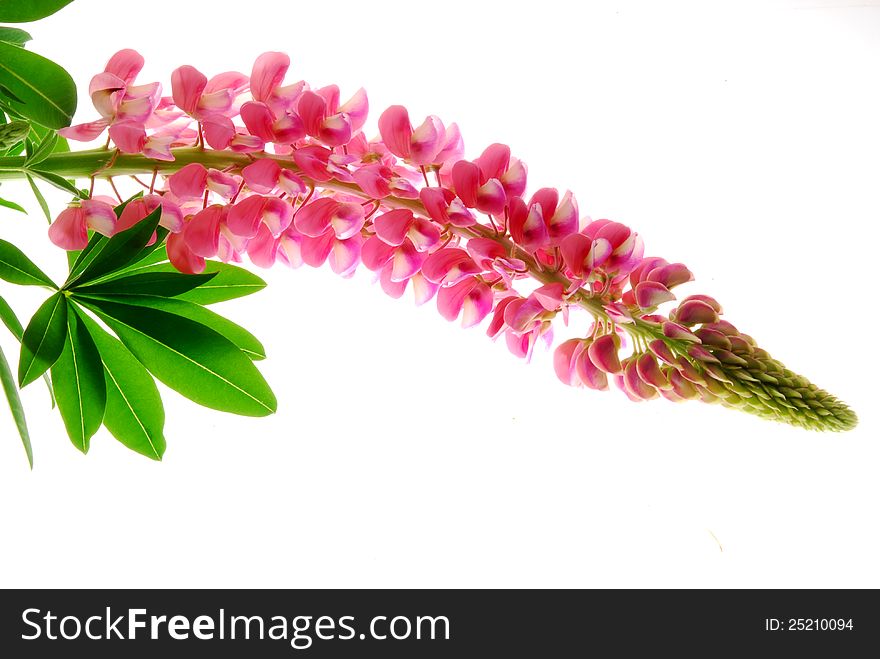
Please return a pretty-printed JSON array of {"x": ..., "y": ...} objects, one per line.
[{"x": 310, "y": 187}]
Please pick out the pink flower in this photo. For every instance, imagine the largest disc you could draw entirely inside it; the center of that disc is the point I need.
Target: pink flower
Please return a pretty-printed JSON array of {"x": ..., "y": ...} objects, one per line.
[
  {"x": 70, "y": 230},
  {"x": 428, "y": 144},
  {"x": 200, "y": 98},
  {"x": 116, "y": 99},
  {"x": 545, "y": 222}
]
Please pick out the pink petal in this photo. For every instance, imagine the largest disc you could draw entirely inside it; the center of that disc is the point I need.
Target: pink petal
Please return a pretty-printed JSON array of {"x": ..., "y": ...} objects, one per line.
[
  {"x": 125, "y": 64},
  {"x": 466, "y": 179},
  {"x": 69, "y": 230},
  {"x": 493, "y": 162},
  {"x": 588, "y": 373},
  {"x": 396, "y": 130},
  {"x": 563, "y": 361},
  {"x": 603, "y": 353},
  {"x": 565, "y": 220},
  {"x": 436, "y": 201},
  {"x": 313, "y": 219},
  {"x": 423, "y": 234},
  {"x": 423, "y": 290},
  {"x": 221, "y": 183},
  {"x": 315, "y": 250},
  {"x": 262, "y": 175},
  {"x": 219, "y": 131},
  {"x": 405, "y": 262},
  {"x": 258, "y": 119},
  {"x": 650, "y": 294},
  {"x": 477, "y": 305},
  {"x": 182, "y": 257},
  {"x": 288, "y": 129},
  {"x": 189, "y": 182},
  {"x": 574, "y": 250},
  {"x": 514, "y": 179},
  {"x": 128, "y": 137},
  {"x": 313, "y": 161},
  {"x": 375, "y": 253},
  {"x": 356, "y": 108},
  {"x": 450, "y": 299},
  {"x": 670, "y": 275},
  {"x": 491, "y": 198},
  {"x": 202, "y": 232},
  {"x": 345, "y": 255},
  {"x": 394, "y": 289},
  {"x": 347, "y": 220},
  {"x": 392, "y": 227},
  {"x": 85, "y": 132},
  {"x": 277, "y": 215},
  {"x": 187, "y": 85},
  {"x": 292, "y": 184},
  {"x": 527, "y": 226},
  {"x": 374, "y": 180},
  {"x": 312, "y": 109},
  {"x": 335, "y": 130},
  {"x": 694, "y": 312},
  {"x": 649, "y": 371},
  {"x": 425, "y": 141},
  {"x": 263, "y": 248},
  {"x": 233, "y": 81},
  {"x": 497, "y": 323},
  {"x": 452, "y": 147},
  {"x": 246, "y": 216},
  {"x": 448, "y": 265},
  {"x": 549, "y": 296},
  {"x": 600, "y": 252},
  {"x": 522, "y": 315},
  {"x": 268, "y": 73}
]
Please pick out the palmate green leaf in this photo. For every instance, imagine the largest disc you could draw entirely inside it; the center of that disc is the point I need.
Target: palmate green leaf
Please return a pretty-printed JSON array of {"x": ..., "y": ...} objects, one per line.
[
  {"x": 16, "y": 268},
  {"x": 134, "y": 414},
  {"x": 5, "y": 203},
  {"x": 25, "y": 11},
  {"x": 13, "y": 324},
  {"x": 229, "y": 283},
  {"x": 189, "y": 357},
  {"x": 163, "y": 284},
  {"x": 15, "y": 406},
  {"x": 238, "y": 335},
  {"x": 14, "y": 35},
  {"x": 104, "y": 256},
  {"x": 36, "y": 87},
  {"x": 80, "y": 392},
  {"x": 43, "y": 340}
]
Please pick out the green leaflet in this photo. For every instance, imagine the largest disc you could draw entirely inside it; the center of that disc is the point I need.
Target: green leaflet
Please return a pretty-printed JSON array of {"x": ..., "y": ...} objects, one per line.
[
  {"x": 40, "y": 198},
  {"x": 102, "y": 255},
  {"x": 79, "y": 384},
  {"x": 189, "y": 357},
  {"x": 13, "y": 324},
  {"x": 12, "y": 396},
  {"x": 238, "y": 335},
  {"x": 16, "y": 268},
  {"x": 134, "y": 414},
  {"x": 43, "y": 340},
  {"x": 58, "y": 181},
  {"x": 14, "y": 35},
  {"x": 44, "y": 149},
  {"x": 25, "y": 11},
  {"x": 229, "y": 283},
  {"x": 36, "y": 87},
  {"x": 163, "y": 284},
  {"x": 12, "y": 205}
]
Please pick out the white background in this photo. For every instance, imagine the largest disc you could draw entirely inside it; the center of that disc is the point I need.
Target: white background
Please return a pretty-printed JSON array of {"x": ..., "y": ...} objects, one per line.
[{"x": 741, "y": 139}]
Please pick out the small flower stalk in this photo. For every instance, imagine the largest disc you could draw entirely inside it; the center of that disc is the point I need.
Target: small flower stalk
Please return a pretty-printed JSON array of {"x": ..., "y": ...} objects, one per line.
[{"x": 274, "y": 171}]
